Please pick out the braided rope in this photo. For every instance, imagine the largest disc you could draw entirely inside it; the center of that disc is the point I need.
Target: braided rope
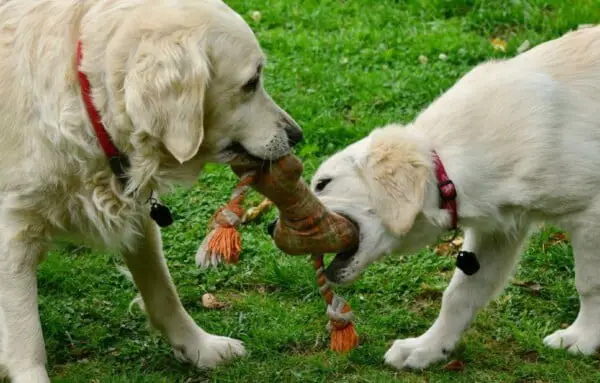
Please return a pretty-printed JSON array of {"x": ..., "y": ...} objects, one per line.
[
  {"x": 343, "y": 334},
  {"x": 223, "y": 243}
]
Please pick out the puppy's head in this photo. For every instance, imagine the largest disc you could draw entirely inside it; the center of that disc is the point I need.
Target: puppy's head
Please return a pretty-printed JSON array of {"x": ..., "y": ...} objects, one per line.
[
  {"x": 381, "y": 183},
  {"x": 193, "y": 88}
]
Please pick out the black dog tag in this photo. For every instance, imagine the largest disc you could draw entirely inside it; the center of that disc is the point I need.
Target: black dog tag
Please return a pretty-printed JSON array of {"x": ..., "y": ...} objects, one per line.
[
  {"x": 160, "y": 214},
  {"x": 467, "y": 262}
]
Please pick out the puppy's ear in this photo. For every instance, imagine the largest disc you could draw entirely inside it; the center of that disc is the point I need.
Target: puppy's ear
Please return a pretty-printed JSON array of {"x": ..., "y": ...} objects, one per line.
[
  {"x": 164, "y": 92},
  {"x": 396, "y": 174}
]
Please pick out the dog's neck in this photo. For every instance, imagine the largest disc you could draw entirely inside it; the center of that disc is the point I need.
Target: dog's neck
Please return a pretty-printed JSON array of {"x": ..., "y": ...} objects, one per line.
[{"x": 444, "y": 215}]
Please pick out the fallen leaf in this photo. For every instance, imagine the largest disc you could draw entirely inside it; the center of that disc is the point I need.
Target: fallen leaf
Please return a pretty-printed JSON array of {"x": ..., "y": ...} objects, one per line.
[
  {"x": 534, "y": 287},
  {"x": 256, "y": 16},
  {"x": 558, "y": 238},
  {"x": 256, "y": 211},
  {"x": 523, "y": 47},
  {"x": 498, "y": 44},
  {"x": 455, "y": 365},
  {"x": 530, "y": 356},
  {"x": 458, "y": 241},
  {"x": 211, "y": 302},
  {"x": 564, "y": 325},
  {"x": 446, "y": 249}
]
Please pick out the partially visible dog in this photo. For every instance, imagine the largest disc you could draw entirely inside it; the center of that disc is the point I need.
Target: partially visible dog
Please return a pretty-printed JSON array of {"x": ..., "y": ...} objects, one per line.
[
  {"x": 177, "y": 84},
  {"x": 520, "y": 139}
]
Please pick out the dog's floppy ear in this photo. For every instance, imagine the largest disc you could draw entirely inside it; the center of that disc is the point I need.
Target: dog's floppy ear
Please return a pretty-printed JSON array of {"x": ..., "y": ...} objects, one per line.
[
  {"x": 164, "y": 92},
  {"x": 396, "y": 174}
]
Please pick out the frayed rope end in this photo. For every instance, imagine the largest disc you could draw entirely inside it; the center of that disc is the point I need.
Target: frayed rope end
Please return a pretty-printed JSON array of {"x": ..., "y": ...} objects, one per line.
[
  {"x": 344, "y": 337},
  {"x": 226, "y": 243}
]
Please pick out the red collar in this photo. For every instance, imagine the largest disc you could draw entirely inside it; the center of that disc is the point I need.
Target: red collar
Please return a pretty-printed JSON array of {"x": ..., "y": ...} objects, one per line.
[
  {"x": 447, "y": 190},
  {"x": 118, "y": 161}
]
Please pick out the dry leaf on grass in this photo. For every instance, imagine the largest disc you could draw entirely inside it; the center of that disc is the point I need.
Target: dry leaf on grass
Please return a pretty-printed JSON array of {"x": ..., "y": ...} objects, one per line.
[
  {"x": 449, "y": 248},
  {"x": 256, "y": 16},
  {"x": 535, "y": 288},
  {"x": 256, "y": 211},
  {"x": 455, "y": 365},
  {"x": 498, "y": 44},
  {"x": 530, "y": 356},
  {"x": 211, "y": 302},
  {"x": 523, "y": 47}
]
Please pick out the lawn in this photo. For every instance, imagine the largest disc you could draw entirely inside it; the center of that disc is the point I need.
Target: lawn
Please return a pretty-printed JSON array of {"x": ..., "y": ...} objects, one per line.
[{"x": 341, "y": 68}]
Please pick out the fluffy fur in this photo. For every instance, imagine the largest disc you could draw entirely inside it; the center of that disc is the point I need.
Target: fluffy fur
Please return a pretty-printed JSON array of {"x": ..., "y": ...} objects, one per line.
[
  {"x": 520, "y": 138},
  {"x": 178, "y": 84}
]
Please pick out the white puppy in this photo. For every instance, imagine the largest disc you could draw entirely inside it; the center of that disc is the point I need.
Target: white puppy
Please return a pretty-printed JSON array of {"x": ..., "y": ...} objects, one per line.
[
  {"x": 520, "y": 139},
  {"x": 177, "y": 84}
]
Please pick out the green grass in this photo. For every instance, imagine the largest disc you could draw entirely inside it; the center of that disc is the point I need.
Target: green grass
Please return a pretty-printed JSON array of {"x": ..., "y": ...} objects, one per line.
[{"x": 341, "y": 68}]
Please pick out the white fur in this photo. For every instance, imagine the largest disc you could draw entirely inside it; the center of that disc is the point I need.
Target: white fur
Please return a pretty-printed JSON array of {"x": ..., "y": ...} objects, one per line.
[
  {"x": 167, "y": 77},
  {"x": 520, "y": 138}
]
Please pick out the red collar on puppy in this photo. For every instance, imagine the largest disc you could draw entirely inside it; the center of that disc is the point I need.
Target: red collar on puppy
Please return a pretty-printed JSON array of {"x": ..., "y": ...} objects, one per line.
[
  {"x": 447, "y": 190},
  {"x": 118, "y": 162}
]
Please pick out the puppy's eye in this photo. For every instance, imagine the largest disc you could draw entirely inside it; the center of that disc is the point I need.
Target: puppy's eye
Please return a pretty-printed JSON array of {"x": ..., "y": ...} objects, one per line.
[
  {"x": 322, "y": 184},
  {"x": 251, "y": 85}
]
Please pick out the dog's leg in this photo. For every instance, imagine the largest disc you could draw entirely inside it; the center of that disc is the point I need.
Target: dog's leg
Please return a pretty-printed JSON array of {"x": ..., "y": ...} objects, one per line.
[
  {"x": 22, "y": 349},
  {"x": 462, "y": 299},
  {"x": 583, "y": 336},
  {"x": 151, "y": 276}
]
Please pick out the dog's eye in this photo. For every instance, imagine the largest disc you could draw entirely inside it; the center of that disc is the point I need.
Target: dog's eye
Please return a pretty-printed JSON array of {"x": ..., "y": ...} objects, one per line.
[
  {"x": 251, "y": 85},
  {"x": 322, "y": 184}
]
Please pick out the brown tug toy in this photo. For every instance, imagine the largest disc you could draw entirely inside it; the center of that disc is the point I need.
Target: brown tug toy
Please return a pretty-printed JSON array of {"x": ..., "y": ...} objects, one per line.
[{"x": 304, "y": 226}]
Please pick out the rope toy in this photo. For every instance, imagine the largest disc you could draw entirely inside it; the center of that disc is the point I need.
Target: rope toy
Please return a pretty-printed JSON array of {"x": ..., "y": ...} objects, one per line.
[
  {"x": 223, "y": 243},
  {"x": 304, "y": 226}
]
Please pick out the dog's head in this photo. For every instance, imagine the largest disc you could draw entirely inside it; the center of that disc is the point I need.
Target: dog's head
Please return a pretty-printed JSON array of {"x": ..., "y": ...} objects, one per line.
[
  {"x": 383, "y": 183},
  {"x": 193, "y": 90}
]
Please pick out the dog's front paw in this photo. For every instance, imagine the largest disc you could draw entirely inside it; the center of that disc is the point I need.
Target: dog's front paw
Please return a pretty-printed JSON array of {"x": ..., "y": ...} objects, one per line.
[
  {"x": 207, "y": 350},
  {"x": 576, "y": 339},
  {"x": 33, "y": 375},
  {"x": 415, "y": 353}
]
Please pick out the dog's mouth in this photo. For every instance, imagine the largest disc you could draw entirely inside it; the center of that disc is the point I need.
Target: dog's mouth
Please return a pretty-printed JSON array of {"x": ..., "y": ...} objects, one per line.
[
  {"x": 344, "y": 258},
  {"x": 236, "y": 152}
]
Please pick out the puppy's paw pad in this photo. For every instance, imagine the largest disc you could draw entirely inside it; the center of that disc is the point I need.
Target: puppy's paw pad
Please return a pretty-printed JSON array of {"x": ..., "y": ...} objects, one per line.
[
  {"x": 210, "y": 351},
  {"x": 415, "y": 353},
  {"x": 574, "y": 339}
]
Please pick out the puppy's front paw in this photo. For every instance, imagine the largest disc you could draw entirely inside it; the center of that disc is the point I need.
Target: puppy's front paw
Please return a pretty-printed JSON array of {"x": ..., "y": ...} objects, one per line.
[
  {"x": 576, "y": 339},
  {"x": 415, "y": 353},
  {"x": 207, "y": 350}
]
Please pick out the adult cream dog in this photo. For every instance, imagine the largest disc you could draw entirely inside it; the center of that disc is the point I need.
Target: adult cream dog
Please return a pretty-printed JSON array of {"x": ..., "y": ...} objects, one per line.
[
  {"x": 177, "y": 84},
  {"x": 513, "y": 143}
]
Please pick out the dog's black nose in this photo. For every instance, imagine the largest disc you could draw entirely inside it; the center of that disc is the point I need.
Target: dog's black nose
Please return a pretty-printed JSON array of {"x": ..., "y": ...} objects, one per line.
[
  {"x": 294, "y": 134},
  {"x": 271, "y": 227}
]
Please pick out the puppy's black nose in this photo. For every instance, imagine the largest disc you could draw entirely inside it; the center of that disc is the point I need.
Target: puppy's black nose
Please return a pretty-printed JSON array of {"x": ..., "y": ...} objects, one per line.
[
  {"x": 294, "y": 134},
  {"x": 271, "y": 227}
]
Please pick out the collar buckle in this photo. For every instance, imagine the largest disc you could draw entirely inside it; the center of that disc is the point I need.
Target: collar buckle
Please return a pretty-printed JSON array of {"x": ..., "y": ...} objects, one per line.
[{"x": 447, "y": 190}]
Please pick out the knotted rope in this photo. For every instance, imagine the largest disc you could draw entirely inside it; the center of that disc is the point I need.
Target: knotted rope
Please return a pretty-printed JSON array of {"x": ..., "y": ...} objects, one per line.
[
  {"x": 223, "y": 244},
  {"x": 343, "y": 334}
]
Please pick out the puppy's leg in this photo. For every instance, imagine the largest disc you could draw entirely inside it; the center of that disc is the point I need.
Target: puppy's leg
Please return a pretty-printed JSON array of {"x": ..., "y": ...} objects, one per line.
[
  {"x": 151, "y": 276},
  {"x": 463, "y": 297},
  {"x": 583, "y": 336},
  {"x": 22, "y": 350}
]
